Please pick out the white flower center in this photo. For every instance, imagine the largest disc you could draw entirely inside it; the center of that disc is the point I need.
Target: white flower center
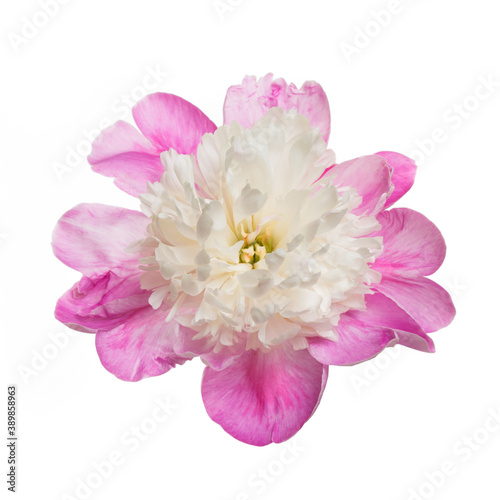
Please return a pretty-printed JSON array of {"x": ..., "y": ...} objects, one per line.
[{"x": 246, "y": 246}]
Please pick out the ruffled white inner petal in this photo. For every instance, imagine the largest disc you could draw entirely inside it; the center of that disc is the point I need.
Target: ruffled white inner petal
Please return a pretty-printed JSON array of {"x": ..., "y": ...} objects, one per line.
[{"x": 246, "y": 245}]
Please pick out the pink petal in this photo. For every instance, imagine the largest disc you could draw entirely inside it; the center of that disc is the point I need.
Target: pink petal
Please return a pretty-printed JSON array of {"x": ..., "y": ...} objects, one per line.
[
  {"x": 357, "y": 342},
  {"x": 102, "y": 302},
  {"x": 92, "y": 238},
  {"x": 169, "y": 121},
  {"x": 205, "y": 348},
  {"x": 265, "y": 397},
  {"x": 413, "y": 245},
  {"x": 418, "y": 342},
  {"x": 221, "y": 359},
  {"x": 142, "y": 346},
  {"x": 364, "y": 334},
  {"x": 403, "y": 174},
  {"x": 250, "y": 101},
  {"x": 384, "y": 312},
  {"x": 186, "y": 345},
  {"x": 215, "y": 356},
  {"x": 122, "y": 152},
  {"x": 370, "y": 176},
  {"x": 425, "y": 301}
]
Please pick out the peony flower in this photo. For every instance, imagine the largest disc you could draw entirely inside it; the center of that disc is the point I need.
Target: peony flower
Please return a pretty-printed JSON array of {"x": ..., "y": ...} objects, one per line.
[{"x": 254, "y": 250}]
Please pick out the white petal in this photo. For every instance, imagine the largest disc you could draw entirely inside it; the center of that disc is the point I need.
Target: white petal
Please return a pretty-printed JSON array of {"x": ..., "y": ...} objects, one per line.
[{"x": 256, "y": 283}]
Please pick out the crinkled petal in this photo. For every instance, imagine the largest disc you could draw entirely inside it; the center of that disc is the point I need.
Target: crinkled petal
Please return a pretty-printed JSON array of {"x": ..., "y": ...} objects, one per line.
[
  {"x": 370, "y": 176},
  {"x": 425, "y": 301},
  {"x": 142, "y": 346},
  {"x": 403, "y": 174},
  {"x": 357, "y": 342},
  {"x": 92, "y": 238},
  {"x": 250, "y": 101},
  {"x": 102, "y": 302},
  {"x": 265, "y": 397},
  {"x": 169, "y": 121},
  {"x": 418, "y": 342},
  {"x": 413, "y": 245},
  {"x": 123, "y": 153},
  {"x": 213, "y": 354},
  {"x": 383, "y": 312},
  {"x": 220, "y": 359},
  {"x": 364, "y": 334}
]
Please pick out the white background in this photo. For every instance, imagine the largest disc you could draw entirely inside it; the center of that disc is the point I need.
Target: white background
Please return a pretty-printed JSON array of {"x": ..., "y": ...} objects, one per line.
[{"x": 382, "y": 427}]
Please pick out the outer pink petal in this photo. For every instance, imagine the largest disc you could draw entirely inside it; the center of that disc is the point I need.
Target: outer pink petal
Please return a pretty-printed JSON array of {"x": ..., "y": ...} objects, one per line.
[
  {"x": 169, "y": 121},
  {"x": 218, "y": 359},
  {"x": 413, "y": 245},
  {"x": 142, "y": 346},
  {"x": 418, "y": 342},
  {"x": 221, "y": 359},
  {"x": 122, "y": 152},
  {"x": 364, "y": 334},
  {"x": 265, "y": 397},
  {"x": 426, "y": 302},
  {"x": 92, "y": 238},
  {"x": 357, "y": 342},
  {"x": 384, "y": 312},
  {"x": 403, "y": 174},
  {"x": 250, "y": 101},
  {"x": 370, "y": 175},
  {"x": 102, "y": 302}
]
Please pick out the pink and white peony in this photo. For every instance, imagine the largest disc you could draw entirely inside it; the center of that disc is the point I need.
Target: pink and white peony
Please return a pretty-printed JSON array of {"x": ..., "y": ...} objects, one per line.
[{"x": 254, "y": 250}]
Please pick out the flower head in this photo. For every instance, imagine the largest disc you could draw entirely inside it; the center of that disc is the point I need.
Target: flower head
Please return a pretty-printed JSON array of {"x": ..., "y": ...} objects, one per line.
[{"x": 254, "y": 250}]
